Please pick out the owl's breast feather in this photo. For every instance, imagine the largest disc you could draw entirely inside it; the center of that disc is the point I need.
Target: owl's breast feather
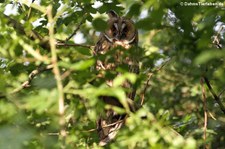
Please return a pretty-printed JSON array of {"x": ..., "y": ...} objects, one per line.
[{"x": 124, "y": 44}]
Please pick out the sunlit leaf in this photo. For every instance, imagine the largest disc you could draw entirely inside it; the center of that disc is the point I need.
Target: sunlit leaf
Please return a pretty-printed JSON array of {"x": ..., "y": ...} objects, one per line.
[
  {"x": 119, "y": 80},
  {"x": 81, "y": 65},
  {"x": 43, "y": 102}
]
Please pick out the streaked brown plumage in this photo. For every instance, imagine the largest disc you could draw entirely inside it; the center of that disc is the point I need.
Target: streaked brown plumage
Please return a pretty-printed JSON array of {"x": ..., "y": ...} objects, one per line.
[{"x": 120, "y": 32}]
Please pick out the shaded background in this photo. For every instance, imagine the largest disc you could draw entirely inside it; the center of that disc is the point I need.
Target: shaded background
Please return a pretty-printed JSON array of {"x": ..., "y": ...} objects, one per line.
[{"x": 180, "y": 44}]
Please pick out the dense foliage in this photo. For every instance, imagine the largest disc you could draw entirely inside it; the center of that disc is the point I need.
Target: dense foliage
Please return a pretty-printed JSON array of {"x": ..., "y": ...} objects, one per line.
[{"x": 47, "y": 99}]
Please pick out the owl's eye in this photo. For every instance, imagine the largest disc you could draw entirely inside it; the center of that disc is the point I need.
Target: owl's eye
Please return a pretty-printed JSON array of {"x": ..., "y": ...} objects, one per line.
[
  {"x": 124, "y": 28},
  {"x": 124, "y": 31},
  {"x": 115, "y": 26},
  {"x": 114, "y": 29}
]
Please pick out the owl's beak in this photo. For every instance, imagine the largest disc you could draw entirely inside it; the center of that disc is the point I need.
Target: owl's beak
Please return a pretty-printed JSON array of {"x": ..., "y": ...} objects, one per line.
[
  {"x": 115, "y": 39},
  {"x": 118, "y": 38}
]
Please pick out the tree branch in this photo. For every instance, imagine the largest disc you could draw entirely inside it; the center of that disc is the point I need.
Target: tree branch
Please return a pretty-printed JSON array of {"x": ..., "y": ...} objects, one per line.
[
  {"x": 58, "y": 78},
  {"x": 34, "y": 73},
  {"x": 44, "y": 43},
  {"x": 77, "y": 28},
  {"x": 60, "y": 44},
  {"x": 149, "y": 78},
  {"x": 145, "y": 88},
  {"x": 205, "y": 112},
  {"x": 33, "y": 35},
  {"x": 217, "y": 98},
  {"x": 221, "y": 92}
]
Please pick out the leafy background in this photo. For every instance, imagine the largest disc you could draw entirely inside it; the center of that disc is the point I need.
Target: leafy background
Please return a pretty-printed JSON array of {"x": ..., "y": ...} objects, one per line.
[{"x": 181, "y": 45}]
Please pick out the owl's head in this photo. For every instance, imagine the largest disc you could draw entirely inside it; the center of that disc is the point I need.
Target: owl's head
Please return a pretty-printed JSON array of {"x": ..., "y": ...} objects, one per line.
[{"x": 120, "y": 30}]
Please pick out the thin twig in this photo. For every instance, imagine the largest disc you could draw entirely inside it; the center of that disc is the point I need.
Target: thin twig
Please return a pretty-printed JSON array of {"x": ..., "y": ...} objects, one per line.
[
  {"x": 221, "y": 92},
  {"x": 177, "y": 133},
  {"x": 119, "y": 121},
  {"x": 77, "y": 28},
  {"x": 90, "y": 130},
  {"x": 145, "y": 89},
  {"x": 149, "y": 78},
  {"x": 44, "y": 43},
  {"x": 53, "y": 134},
  {"x": 60, "y": 44},
  {"x": 217, "y": 99},
  {"x": 32, "y": 35},
  {"x": 205, "y": 112},
  {"x": 31, "y": 76},
  {"x": 163, "y": 64},
  {"x": 94, "y": 129},
  {"x": 211, "y": 115},
  {"x": 65, "y": 74},
  {"x": 29, "y": 11},
  {"x": 216, "y": 39},
  {"x": 56, "y": 133},
  {"x": 56, "y": 72}
]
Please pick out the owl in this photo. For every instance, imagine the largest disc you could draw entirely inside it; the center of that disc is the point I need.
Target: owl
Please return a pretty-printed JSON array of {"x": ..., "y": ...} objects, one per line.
[{"x": 122, "y": 37}]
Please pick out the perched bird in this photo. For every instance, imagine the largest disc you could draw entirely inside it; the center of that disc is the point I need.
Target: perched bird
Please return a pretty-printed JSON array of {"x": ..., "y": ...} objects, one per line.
[{"x": 121, "y": 32}]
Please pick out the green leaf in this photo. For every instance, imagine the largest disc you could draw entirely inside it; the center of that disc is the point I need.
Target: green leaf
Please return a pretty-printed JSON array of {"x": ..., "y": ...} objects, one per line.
[
  {"x": 84, "y": 51},
  {"x": 7, "y": 111},
  {"x": 17, "y": 136},
  {"x": 117, "y": 92},
  {"x": 134, "y": 10},
  {"x": 208, "y": 55},
  {"x": 44, "y": 101},
  {"x": 119, "y": 80},
  {"x": 81, "y": 65},
  {"x": 99, "y": 24}
]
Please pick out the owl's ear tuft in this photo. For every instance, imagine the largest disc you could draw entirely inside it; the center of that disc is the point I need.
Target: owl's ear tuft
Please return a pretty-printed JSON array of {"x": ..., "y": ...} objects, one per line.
[{"x": 112, "y": 14}]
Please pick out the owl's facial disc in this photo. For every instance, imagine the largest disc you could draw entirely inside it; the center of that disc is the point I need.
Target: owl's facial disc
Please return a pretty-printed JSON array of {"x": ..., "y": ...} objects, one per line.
[{"x": 121, "y": 31}]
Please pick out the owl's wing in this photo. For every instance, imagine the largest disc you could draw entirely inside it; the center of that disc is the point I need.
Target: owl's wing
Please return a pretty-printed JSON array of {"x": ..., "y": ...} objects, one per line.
[{"x": 102, "y": 46}]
